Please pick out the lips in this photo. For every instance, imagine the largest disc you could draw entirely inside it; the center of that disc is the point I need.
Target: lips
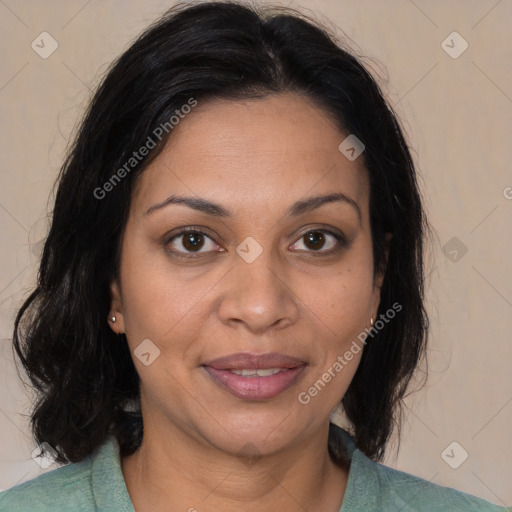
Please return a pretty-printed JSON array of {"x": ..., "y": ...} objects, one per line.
[
  {"x": 248, "y": 361},
  {"x": 255, "y": 376}
]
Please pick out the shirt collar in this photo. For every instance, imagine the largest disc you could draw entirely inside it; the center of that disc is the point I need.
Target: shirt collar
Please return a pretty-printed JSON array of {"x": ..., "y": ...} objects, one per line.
[
  {"x": 108, "y": 485},
  {"x": 361, "y": 493}
]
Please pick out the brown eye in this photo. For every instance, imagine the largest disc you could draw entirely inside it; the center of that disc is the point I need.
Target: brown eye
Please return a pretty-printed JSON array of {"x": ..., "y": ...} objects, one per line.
[
  {"x": 314, "y": 240},
  {"x": 193, "y": 241},
  {"x": 189, "y": 241},
  {"x": 321, "y": 241}
]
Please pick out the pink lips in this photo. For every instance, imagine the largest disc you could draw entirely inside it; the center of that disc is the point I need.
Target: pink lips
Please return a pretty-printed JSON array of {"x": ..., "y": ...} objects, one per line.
[{"x": 255, "y": 387}]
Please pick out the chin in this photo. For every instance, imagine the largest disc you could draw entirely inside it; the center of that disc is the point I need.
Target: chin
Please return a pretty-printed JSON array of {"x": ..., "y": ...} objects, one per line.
[{"x": 252, "y": 435}]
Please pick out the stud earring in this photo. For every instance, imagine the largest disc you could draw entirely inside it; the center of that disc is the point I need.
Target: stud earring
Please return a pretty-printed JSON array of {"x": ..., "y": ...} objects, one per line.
[
  {"x": 113, "y": 319},
  {"x": 371, "y": 321}
]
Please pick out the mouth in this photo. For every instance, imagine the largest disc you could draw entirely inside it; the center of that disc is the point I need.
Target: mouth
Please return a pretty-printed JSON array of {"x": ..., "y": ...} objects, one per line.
[{"x": 255, "y": 376}]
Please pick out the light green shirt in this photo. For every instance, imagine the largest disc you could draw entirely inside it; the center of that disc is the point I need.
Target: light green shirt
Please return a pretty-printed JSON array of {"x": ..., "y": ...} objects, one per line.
[{"x": 97, "y": 484}]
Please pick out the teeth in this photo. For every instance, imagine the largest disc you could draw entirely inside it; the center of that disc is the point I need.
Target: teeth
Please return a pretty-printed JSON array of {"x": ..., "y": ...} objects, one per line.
[{"x": 259, "y": 372}]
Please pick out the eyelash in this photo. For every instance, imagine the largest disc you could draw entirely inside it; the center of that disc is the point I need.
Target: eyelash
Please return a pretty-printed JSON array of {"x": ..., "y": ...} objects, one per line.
[{"x": 341, "y": 242}]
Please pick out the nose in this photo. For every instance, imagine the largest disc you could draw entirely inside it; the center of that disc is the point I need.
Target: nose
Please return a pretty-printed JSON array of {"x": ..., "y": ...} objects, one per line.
[{"x": 259, "y": 296}]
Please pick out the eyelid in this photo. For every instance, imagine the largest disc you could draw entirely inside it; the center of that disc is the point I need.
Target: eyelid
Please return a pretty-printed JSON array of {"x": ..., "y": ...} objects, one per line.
[
  {"x": 336, "y": 233},
  {"x": 340, "y": 238},
  {"x": 183, "y": 231}
]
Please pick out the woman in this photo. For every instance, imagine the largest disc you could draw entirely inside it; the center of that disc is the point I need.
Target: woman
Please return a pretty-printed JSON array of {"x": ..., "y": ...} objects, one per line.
[{"x": 236, "y": 249}]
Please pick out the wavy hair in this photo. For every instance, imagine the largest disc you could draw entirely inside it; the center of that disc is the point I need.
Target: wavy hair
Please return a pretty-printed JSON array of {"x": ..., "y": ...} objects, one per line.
[{"x": 86, "y": 384}]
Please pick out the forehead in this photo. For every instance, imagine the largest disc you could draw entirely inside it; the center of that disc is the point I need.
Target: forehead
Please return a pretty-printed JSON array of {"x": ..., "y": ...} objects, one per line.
[{"x": 247, "y": 154}]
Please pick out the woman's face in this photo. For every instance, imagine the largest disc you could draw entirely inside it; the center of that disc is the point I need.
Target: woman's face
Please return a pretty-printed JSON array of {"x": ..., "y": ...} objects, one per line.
[{"x": 268, "y": 275}]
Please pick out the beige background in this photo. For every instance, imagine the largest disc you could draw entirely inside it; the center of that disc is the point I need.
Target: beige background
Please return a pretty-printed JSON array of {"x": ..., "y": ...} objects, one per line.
[{"x": 458, "y": 115}]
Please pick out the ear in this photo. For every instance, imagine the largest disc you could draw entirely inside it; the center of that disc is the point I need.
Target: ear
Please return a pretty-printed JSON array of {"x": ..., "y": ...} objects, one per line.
[
  {"x": 379, "y": 277},
  {"x": 116, "y": 308}
]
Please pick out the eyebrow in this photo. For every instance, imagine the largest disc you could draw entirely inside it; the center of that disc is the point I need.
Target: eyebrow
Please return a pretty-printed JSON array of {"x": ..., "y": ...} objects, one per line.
[{"x": 216, "y": 210}]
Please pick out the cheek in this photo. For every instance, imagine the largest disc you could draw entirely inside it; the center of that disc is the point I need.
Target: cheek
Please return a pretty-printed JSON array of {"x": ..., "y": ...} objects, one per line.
[
  {"x": 161, "y": 302},
  {"x": 149, "y": 299},
  {"x": 342, "y": 298}
]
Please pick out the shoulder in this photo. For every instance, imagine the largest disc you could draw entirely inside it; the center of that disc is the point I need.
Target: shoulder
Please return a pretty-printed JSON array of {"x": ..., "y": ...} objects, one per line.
[
  {"x": 373, "y": 486},
  {"x": 397, "y": 490},
  {"x": 54, "y": 490},
  {"x": 94, "y": 484}
]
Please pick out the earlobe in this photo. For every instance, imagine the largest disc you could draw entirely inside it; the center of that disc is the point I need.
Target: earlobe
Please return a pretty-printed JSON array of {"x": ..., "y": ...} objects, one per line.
[{"x": 115, "y": 316}]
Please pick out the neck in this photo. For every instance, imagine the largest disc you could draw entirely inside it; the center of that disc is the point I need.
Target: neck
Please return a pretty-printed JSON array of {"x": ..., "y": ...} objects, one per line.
[{"x": 174, "y": 471}]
